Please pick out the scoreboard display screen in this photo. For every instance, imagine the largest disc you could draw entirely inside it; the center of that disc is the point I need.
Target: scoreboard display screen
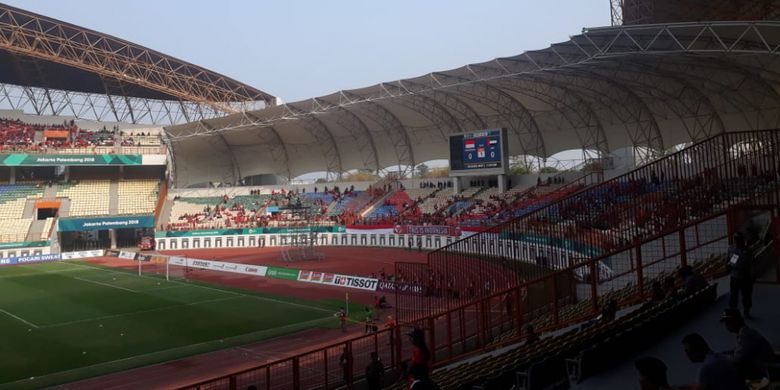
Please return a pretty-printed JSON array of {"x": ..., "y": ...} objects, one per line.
[{"x": 479, "y": 152}]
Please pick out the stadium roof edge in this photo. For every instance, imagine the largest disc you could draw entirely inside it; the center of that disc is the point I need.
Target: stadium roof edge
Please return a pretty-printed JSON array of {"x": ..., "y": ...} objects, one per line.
[
  {"x": 72, "y": 58},
  {"x": 649, "y": 86}
]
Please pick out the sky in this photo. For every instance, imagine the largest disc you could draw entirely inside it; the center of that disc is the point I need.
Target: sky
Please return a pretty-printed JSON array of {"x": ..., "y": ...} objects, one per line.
[{"x": 302, "y": 49}]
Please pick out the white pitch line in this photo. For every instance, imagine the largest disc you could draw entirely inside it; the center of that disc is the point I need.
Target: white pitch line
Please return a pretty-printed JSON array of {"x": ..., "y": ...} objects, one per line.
[
  {"x": 20, "y": 319},
  {"x": 153, "y": 289},
  {"x": 212, "y": 288},
  {"x": 265, "y": 298},
  {"x": 22, "y": 381},
  {"x": 135, "y": 312},
  {"x": 105, "y": 284}
]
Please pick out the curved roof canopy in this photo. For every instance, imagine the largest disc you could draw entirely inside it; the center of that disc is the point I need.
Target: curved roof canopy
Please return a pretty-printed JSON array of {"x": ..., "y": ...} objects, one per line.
[
  {"x": 45, "y": 53},
  {"x": 649, "y": 86}
]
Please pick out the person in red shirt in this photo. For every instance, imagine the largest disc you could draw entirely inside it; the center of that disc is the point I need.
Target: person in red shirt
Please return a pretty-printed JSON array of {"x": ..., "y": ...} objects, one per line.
[
  {"x": 421, "y": 355},
  {"x": 390, "y": 324}
]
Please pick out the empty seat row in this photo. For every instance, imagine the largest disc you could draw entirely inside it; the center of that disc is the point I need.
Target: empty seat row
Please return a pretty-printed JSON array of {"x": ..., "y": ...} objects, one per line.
[
  {"x": 87, "y": 197},
  {"x": 137, "y": 196}
]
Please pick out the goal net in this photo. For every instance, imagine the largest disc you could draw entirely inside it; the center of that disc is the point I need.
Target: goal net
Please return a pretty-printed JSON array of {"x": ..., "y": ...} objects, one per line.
[
  {"x": 164, "y": 267},
  {"x": 301, "y": 247},
  {"x": 176, "y": 268}
]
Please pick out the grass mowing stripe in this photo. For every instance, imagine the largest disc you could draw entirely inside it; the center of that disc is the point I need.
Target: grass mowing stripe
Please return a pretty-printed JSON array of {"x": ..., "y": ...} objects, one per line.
[
  {"x": 36, "y": 273},
  {"x": 104, "y": 284},
  {"x": 158, "y": 333},
  {"x": 211, "y": 288},
  {"x": 20, "y": 319},
  {"x": 137, "y": 312},
  {"x": 226, "y": 340}
]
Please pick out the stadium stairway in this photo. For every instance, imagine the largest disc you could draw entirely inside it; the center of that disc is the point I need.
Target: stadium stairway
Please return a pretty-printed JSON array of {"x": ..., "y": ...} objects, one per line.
[
  {"x": 165, "y": 213},
  {"x": 64, "y": 207},
  {"x": 469, "y": 200},
  {"x": 113, "y": 200},
  {"x": 366, "y": 199},
  {"x": 36, "y": 230},
  {"x": 29, "y": 209},
  {"x": 376, "y": 203},
  {"x": 50, "y": 192}
]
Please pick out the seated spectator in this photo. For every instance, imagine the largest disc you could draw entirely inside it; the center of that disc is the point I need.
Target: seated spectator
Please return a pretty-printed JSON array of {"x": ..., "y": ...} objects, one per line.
[
  {"x": 670, "y": 289},
  {"x": 692, "y": 281},
  {"x": 752, "y": 349},
  {"x": 609, "y": 311},
  {"x": 656, "y": 292},
  {"x": 419, "y": 379},
  {"x": 657, "y": 295},
  {"x": 717, "y": 372},
  {"x": 531, "y": 336},
  {"x": 652, "y": 374}
]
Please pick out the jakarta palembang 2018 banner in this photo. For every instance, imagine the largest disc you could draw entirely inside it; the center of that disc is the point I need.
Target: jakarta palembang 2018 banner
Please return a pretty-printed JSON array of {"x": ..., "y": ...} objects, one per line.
[
  {"x": 104, "y": 223},
  {"x": 23, "y": 159},
  {"x": 260, "y": 230}
]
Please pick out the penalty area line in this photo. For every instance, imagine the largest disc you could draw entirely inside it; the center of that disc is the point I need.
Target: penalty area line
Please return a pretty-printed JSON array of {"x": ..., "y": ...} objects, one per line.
[{"x": 19, "y": 318}]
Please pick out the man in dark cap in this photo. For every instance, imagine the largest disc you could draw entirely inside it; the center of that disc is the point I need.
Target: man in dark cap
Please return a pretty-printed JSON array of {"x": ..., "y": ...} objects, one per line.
[{"x": 691, "y": 280}]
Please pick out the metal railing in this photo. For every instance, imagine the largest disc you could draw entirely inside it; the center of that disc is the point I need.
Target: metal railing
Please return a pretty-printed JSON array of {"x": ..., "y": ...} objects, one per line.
[
  {"x": 741, "y": 171},
  {"x": 600, "y": 221}
]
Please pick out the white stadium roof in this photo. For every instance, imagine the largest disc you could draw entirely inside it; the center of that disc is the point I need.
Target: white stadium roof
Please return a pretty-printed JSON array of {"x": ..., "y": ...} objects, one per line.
[{"x": 653, "y": 86}]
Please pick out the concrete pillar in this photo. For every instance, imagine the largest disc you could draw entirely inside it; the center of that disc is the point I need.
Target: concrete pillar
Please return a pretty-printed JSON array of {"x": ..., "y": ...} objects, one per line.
[
  {"x": 12, "y": 179},
  {"x": 67, "y": 173},
  {"x": 501, "y": 184},
  {"x": 112, "y": 235},
  {"x": 121, "y": 171},
  {"x": 456, "y": 185}
]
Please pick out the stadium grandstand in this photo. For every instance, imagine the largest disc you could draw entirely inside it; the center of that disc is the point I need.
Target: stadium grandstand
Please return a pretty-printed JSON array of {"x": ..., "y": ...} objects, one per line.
[{"x": 156, "y": 232}]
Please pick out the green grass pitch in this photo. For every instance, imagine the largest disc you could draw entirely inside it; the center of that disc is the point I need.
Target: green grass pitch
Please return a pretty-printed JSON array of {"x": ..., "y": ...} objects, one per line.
[{"x": 66, "y": 321}]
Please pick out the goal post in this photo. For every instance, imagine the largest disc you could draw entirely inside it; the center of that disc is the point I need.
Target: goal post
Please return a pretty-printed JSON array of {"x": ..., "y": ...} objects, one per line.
[
  {"x": 176, "y": 268},
  {"x": 164, "y": 267},
  {"x": 301, "y": 247}
]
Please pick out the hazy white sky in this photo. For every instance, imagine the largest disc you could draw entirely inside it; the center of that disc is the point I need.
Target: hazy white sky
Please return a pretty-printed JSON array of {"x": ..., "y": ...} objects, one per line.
[{"x": 301, "y": 49}]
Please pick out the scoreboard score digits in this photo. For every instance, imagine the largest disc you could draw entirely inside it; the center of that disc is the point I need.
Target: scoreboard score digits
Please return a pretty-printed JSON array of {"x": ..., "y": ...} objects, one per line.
[
  {"x": 482, "y": 150},
  {"x": 479, "y": 152}
]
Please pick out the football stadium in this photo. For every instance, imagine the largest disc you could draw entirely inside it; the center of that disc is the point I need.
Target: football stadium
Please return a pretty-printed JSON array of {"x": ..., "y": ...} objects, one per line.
[{"x": 161, "y": 228}]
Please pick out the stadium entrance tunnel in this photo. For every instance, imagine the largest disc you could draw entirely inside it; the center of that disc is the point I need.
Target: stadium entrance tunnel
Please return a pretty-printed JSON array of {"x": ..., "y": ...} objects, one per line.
[
  {"x": 87, "y": 240},
  {"x": 103, "y": 239}
]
